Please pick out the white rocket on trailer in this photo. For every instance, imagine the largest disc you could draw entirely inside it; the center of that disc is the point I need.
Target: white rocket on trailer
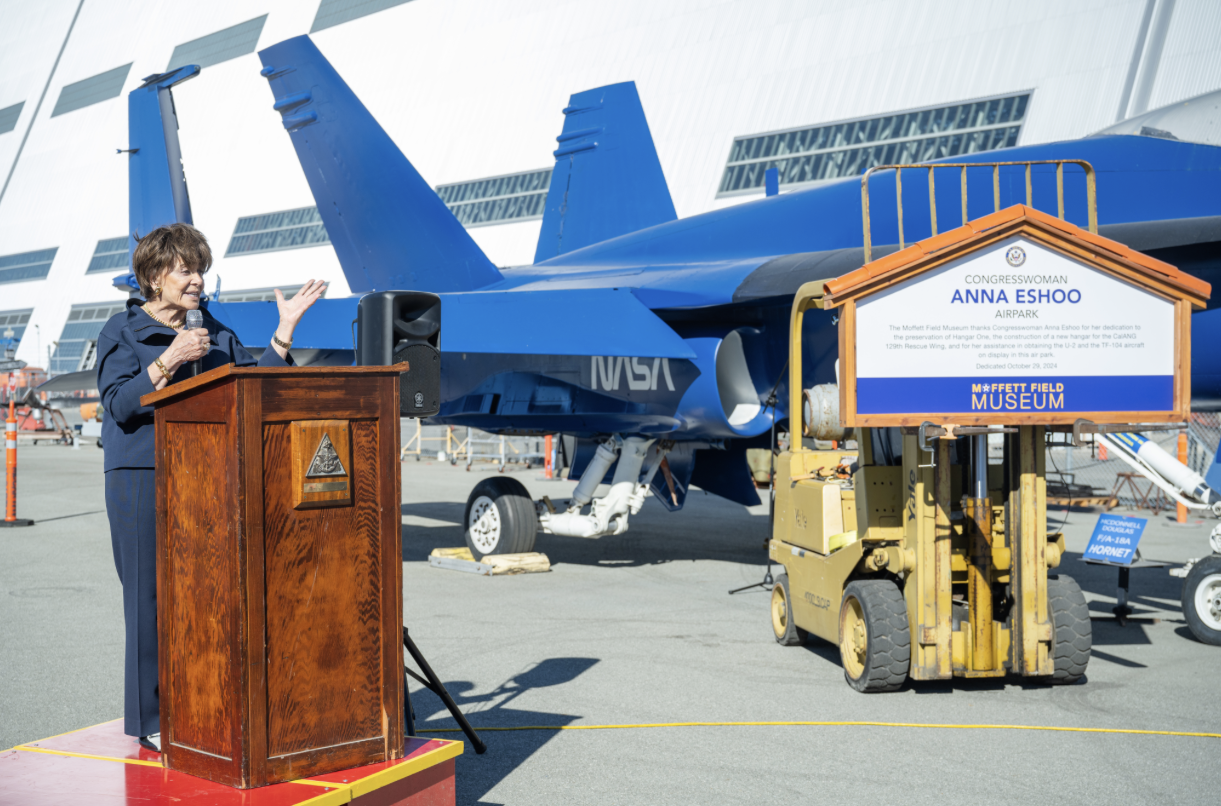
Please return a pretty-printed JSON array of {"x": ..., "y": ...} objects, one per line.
[
  {"x": 1201, "y": 577},
  {"x": 1170, "y": 475}
]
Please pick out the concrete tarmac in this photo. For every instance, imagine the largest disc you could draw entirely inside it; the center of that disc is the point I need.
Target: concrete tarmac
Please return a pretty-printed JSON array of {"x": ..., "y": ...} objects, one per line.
[{"x": 639, "y": 629}]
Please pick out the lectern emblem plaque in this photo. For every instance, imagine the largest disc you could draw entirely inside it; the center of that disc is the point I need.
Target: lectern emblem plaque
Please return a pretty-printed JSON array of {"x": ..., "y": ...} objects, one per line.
[
  {"x": 321, "y": 457},
  {"x": 326, "y": 462}
]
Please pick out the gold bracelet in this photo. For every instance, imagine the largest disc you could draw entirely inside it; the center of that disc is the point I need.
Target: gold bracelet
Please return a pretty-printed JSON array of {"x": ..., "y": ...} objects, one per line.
[
  {"x": 288, "y": 346},
  {"x": 164, "y": 371}
]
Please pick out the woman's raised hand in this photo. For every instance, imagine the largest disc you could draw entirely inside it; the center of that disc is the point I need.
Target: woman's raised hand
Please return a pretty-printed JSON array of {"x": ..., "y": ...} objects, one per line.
[{"x": 292, "y": 310}]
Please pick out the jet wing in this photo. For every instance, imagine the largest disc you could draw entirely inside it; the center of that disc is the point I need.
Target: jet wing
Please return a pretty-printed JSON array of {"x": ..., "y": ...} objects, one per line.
[
  {"x": 84, "y": 381},
  {"x": 328, "y": 325},
  {"x": 587, "y": 321}
]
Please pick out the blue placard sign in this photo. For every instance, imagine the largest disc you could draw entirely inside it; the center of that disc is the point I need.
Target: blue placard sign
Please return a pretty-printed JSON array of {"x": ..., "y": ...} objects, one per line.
[{"x": 1115, "y": 539}]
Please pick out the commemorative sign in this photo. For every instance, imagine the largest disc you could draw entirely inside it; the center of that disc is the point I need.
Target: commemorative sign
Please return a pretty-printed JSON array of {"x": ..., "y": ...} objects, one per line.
[
  {"x": 1016, "y": 325},
  {"x": 979, "y": 335}
]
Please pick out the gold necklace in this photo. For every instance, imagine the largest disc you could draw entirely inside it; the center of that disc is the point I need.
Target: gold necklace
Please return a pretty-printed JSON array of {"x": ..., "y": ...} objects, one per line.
[{"x": 156, "y": 318}]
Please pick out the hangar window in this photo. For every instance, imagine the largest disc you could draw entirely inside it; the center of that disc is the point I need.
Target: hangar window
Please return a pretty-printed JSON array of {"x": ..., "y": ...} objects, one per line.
[
  {"x": 850, "y": 148},
  {"x": 9, "y": 116},
  {"x": 26, "y": 266},
  {"x": 259, "y": 294},
  {"x": 92, "y": 90},
  {"x": 110, "y": 254},
  {"x": 237, "y": 40},
  {"x": 273, "y": 232},
  {"x": 76, "y": 348},
  {"x": 497, "y": 199},
  {"x": 334, "y": 12},
  {"x": 15, "y": 321}
]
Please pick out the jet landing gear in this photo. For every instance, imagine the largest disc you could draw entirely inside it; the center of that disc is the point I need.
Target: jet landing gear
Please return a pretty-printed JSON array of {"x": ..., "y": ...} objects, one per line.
[
  {"x": 501, "y": 519},
  {"x": 639, "y": 459}
]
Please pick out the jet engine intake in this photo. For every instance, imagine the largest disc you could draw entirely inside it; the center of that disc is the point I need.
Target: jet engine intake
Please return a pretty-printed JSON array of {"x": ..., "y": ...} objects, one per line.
[{"x": 727, "y": 399}]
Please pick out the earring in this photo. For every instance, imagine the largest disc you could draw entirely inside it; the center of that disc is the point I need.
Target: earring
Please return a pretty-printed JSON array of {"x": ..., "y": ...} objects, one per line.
[{"x": 156, "y": 291}]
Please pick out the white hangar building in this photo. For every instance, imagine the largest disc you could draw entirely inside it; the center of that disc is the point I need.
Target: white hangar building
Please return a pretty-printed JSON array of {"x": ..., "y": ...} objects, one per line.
[{"x": 472, "y": 91}]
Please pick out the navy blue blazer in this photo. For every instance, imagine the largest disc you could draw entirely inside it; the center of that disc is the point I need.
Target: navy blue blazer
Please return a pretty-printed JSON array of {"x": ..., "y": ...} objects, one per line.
[{"x": 127, "y": 345}]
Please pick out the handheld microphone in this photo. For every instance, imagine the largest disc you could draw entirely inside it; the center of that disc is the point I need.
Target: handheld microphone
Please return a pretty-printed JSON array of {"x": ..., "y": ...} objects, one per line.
[{"x": 195, "y": 320}]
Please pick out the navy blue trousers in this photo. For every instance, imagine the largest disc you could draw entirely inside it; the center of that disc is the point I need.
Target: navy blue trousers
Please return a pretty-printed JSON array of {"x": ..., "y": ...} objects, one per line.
[{"x": 131, "y": 505}]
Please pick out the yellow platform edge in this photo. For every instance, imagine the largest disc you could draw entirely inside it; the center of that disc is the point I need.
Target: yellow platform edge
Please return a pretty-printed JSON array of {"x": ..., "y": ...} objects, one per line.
[{"x": 340, "y": 793}]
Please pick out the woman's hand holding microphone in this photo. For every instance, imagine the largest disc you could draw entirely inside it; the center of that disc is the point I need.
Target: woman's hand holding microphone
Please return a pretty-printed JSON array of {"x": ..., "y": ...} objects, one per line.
[{"x": 188, "y": 345}]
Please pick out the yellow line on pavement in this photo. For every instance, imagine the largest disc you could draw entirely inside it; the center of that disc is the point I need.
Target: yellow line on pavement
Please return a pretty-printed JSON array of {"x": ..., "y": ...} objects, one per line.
[{"x": 842, "y": 724}]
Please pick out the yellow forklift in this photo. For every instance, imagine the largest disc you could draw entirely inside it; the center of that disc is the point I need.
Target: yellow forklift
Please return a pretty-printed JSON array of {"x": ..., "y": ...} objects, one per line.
[{"x": 923, "y": 552}]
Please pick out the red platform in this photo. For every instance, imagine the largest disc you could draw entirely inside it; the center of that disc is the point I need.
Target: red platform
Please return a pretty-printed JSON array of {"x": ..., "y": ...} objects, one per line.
[{"x": 100, "y": 765}]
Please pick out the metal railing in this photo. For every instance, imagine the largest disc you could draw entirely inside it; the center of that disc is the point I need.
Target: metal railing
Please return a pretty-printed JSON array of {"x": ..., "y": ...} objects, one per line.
[
  {"x": 474, "y": 446},
  {"x": 502, "y": 449},
  {"x": 454, "y": 447},
  {"x": 1090, "y": 185}
]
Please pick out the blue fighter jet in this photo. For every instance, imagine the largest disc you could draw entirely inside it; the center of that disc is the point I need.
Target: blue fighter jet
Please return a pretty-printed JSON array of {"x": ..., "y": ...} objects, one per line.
[{"x": 659, "y": 344}]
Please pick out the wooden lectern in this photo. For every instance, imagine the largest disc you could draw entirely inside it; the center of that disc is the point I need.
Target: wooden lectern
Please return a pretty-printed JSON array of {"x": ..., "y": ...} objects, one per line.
[{"x": 279, "y": 571}]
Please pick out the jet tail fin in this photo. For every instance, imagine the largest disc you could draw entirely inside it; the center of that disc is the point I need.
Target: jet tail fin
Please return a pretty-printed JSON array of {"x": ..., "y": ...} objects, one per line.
[
  {"x": 156, "y": 186},
  {"x": 607, "y": 179},
  {"x": 388, "y": 227}
]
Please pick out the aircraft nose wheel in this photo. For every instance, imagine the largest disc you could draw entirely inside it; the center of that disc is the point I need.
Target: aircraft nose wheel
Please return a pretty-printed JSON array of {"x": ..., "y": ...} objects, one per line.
[
  {"x": 484, "y": 524},
  {"x": 1202, "y": 600},
  {"x": 500, "y": 518}
]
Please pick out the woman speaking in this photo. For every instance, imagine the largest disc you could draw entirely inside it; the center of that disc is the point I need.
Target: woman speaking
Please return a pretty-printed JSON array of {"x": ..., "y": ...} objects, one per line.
[{"x": 140, "y": 351}]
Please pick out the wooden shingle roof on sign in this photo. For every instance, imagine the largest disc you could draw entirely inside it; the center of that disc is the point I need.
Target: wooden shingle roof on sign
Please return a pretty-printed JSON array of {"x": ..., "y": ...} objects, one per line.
[{"x": 1045, "y": 229}]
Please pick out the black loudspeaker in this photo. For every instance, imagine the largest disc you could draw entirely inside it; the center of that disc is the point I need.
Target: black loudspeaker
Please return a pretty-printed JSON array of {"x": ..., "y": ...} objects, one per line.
[{"x": 395, "y": 326}]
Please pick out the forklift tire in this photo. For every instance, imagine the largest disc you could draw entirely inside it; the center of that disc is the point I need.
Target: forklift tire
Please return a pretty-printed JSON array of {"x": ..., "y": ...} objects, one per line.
[
  {"x": 500, "y": 518},
  {"x": 1202, "y": 600},
  {"x": 783, "y": 627},
  {"x": 1070, "y": 617},
  {"x": 874, "y": 639}
]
